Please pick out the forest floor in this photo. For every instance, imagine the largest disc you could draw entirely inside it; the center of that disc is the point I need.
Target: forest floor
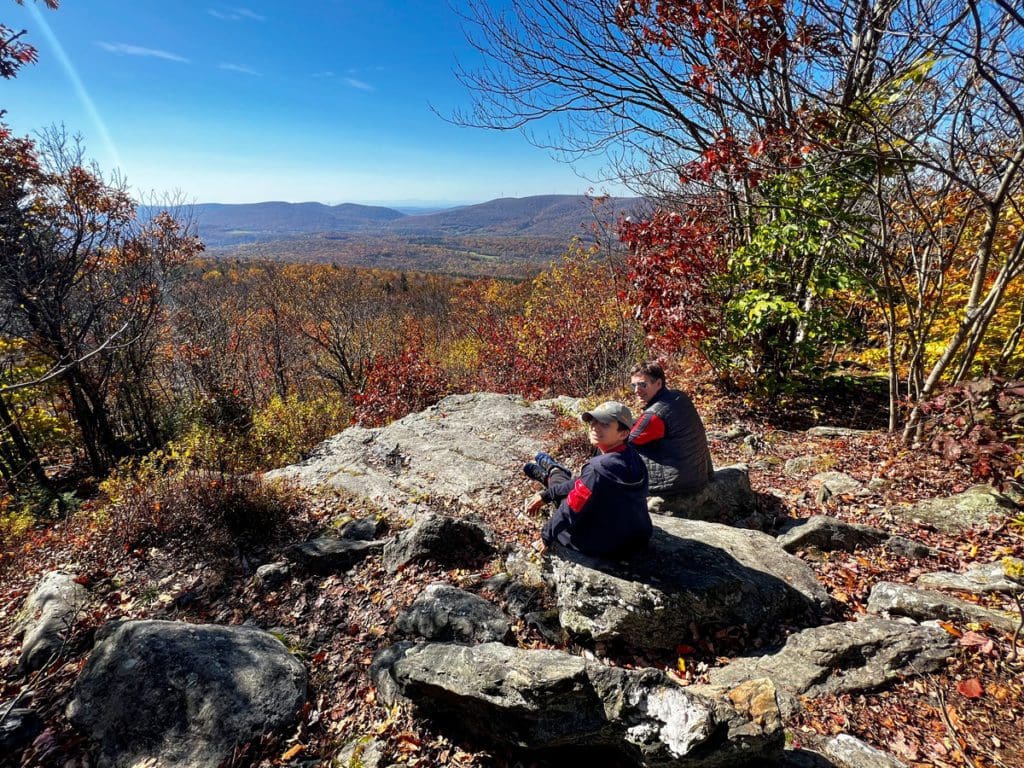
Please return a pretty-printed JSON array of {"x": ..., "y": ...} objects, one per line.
[{"x": 969, "y": 715}]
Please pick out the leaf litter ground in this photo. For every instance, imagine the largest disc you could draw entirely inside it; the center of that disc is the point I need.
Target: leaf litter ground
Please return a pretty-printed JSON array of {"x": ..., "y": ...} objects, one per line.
[{"x": 969, "y": 715}]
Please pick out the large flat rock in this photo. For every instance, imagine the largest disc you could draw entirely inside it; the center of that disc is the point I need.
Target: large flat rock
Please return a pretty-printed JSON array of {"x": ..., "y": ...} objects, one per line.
[
  {"x": 695, "y": 573},
  {"x": 978, "y": 506},
  {"x": 545, "y": 700},
  {"x": 926, "y": 604},
  {"x": 846, "y": 657},
  {"x": 465, "y": 448}
]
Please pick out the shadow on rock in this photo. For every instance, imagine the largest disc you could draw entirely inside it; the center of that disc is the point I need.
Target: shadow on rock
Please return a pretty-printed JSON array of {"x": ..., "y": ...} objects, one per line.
[{"x": 695, "y": 579}]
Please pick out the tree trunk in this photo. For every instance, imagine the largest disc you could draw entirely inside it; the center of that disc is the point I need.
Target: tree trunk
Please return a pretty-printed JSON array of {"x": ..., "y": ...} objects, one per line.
[{"x": 23, "y": 450}]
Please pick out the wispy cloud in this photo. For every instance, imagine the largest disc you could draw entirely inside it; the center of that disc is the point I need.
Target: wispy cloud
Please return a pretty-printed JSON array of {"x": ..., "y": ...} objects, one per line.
[
  {"x": 323, "y": 74},
  {"x": 137, "y": 50},
  {"x": 238, "y": 68},
  {"x": 235, "y": 14},
  {"x": 361, "y": 85}
]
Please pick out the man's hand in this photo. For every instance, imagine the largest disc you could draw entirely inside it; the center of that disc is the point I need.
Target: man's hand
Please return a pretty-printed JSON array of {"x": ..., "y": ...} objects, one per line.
[{"x": 533, "y": 504}]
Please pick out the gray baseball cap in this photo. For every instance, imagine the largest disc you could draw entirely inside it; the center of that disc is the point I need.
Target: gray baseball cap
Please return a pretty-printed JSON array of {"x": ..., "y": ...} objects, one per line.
[{"x": 608, "y": 412}]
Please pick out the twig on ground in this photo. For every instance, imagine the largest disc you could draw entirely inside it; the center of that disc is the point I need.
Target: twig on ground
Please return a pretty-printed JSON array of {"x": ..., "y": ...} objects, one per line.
[{"x": 950, "y": 728}]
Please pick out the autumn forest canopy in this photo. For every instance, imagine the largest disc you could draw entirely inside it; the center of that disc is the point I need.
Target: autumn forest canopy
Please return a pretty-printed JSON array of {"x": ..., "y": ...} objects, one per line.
[{"x": 835, "y": 187}]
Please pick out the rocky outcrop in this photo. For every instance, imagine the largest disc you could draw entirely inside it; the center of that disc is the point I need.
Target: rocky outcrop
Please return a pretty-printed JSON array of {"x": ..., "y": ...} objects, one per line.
[
  {"x": 847, "y": 751},
  {"x": 49, "y": 615},
  {"x": 550, "y": 700},
  {"x": 18, "y": 726},
  {"x": 463, "y": 449},
  {"x": 183, "y": 695},
  {"x": 827, "y": 431},
  {"x": 444, "y": 540},
  {"x": 925, "y": 604},
  {"x": 828, "y": 534},
  {"x": 726, "y": 498},
  {"x": 326, "y": 554},
  {"x": 975, "y": 507},
  {"x": 799, "y": 465},
  {"x": 846, "y": 657},
  {"x": 270, "y": 576},
  {"x": 831, "y": 484},
  {"x": 363, "y": 529},
  {"x": 981, "y": 579},
  {"x": 695, "y": 573},
  {"x": 443, "y": 612}
]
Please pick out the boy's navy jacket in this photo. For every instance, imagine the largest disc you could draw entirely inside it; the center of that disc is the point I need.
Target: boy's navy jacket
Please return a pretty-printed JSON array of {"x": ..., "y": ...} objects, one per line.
[{"x": 604, "y": 510}]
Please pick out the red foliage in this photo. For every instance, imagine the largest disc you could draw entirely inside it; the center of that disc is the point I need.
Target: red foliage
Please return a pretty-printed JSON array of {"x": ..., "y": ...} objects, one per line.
[
  {"x": 747, "y": 36},
  {"x": 400, "y": 384},
  {"x": 14, "y": 53},
  {"x": 674, "y": 262},
  {"x": 980, "y": 425}
]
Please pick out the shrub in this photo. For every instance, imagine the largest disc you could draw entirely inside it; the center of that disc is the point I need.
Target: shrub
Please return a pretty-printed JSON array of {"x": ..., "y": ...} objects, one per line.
[
  {"x": 402, "y": 383},
  {"x": 150, "y": 504},
  {"x": 979, "y": 424}
]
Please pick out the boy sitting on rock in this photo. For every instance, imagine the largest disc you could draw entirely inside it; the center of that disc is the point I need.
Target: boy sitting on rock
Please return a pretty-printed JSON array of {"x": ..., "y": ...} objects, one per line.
[{"x": 603, "y": 511}]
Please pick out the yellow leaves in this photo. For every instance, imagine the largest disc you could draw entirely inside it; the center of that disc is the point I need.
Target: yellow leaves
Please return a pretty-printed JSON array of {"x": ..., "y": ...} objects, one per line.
[{"x": 1013, "y": 568}]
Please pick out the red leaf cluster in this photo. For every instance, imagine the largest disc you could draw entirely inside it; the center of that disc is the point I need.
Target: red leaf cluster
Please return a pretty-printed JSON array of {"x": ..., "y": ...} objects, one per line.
[
  {"x": 979, "y": 424},
  {"x": 674, "y": 262}
]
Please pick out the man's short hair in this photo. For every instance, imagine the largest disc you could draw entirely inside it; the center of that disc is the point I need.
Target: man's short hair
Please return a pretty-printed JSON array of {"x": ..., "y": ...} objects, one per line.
[{"x": 650, "y": 369}]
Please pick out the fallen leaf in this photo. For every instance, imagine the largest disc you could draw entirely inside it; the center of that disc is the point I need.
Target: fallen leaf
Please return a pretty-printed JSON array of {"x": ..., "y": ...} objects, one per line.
[
  {"x": 971, "y": 688},
  {"x": 292, "y": 752}
]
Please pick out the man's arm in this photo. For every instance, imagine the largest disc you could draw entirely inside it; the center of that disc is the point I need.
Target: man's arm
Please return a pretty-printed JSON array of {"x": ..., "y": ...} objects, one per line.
[{"x": 649, "y": 428}]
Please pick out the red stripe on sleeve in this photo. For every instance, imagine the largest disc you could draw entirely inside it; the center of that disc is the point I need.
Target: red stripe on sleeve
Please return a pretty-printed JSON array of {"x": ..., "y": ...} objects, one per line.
[
  {"x": 649, "y": 428},
  {"x": 578, "y": 496}
]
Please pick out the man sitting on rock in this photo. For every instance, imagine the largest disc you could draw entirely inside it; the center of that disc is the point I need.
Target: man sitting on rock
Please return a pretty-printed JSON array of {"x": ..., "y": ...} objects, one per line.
[
  {"x": 669, "y": 435},
  {"x": 603, "y": 511}
]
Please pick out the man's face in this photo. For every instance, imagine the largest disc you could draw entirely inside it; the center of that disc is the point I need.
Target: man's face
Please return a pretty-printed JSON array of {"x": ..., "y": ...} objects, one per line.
[{"x": 645, "y": 387}]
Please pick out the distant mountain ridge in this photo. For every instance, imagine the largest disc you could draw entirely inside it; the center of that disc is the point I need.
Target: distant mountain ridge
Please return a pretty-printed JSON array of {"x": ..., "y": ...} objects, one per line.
[{"x": 222, "y": 225}]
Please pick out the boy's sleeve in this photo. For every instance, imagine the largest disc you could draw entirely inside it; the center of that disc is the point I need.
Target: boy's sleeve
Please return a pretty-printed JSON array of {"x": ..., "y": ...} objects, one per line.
[{"x": 582, "y": 490}]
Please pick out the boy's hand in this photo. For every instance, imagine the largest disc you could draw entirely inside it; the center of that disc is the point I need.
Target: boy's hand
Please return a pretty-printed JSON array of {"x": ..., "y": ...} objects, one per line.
[{"x": 533, "y": 504}]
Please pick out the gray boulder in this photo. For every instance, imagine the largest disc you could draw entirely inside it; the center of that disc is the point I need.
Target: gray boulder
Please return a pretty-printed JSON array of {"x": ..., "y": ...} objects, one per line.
[
  {"x": 330, "y": 555},
  {"x": 18, "y": 727},
  {"x": 726, "y": 498},
  {"x": 850, "y": 752},
  {"x": 981, "y": 578},
  {"x": 360, "y": 753},
  {"x": 47, "y": 618},
  {"x": 272, "y": 575},
  {"x": 694, "y": 573},
  {"x": 827, "y": 431},
  {"x": 443, "y": 612},
  {"x": 832, "y": 484},
  {"x": 550, "y": 700},
  {"x": 363, "y": 529},
  {"x": 799, "y": 465},
  {"x": 184, "y": 695},
  {"x": 846, "y": 657},
  {"x": 901, "y": 546},
  {"x": 926, "y": 604},
  {"x": 464, "y": 449},
  {"x": 828, "y": 534},
  {"x": 444, "y": 540},
  {"x": 976, "y": 507}
]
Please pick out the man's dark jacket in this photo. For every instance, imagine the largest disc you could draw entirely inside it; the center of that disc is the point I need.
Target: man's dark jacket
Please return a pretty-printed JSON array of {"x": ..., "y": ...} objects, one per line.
[
  {"x": 671, "y": 439},
  {"x": 604, "y": 510}
]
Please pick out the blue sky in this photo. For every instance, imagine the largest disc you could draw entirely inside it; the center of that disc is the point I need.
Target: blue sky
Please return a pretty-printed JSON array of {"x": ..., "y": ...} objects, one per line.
[{"x": 327, "y": 101}]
